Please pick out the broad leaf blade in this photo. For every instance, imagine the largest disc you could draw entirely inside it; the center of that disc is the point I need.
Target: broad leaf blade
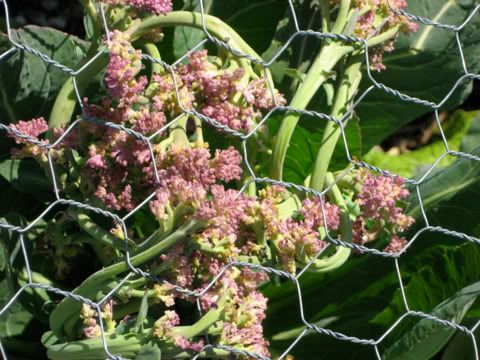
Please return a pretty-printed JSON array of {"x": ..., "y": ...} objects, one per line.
[
  {"x": 186, "y": 38},
  {"x": 28, "y": 84},
  {"x": 17, "y": 319},
  {"x": 427, "y": 337}
]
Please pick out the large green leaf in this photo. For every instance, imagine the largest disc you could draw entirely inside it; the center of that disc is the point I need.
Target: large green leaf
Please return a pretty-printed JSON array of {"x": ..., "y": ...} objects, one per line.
[
  {"x": 186, "y": 38},
  {"x": 461, "y": 347},
  {"x": 471, "y": 140},
  {"x": 364, "y": 303},
  {"x": 427, "y": 337},
  {"x": 16, "y": 320},
  {"x": 27, "y": 83},
  {"x": 149, "y": 351},
  {"x": 425, "y": 65},
  {"x": 250, "y": 19}
]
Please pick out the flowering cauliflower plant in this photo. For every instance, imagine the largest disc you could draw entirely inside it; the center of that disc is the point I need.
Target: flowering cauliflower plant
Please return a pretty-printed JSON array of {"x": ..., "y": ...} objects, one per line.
[{"x": 146, "y": 145}]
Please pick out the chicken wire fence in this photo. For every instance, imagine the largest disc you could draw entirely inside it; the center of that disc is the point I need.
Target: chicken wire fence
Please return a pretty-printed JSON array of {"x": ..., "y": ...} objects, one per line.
[{"x": 17, "y": 46}]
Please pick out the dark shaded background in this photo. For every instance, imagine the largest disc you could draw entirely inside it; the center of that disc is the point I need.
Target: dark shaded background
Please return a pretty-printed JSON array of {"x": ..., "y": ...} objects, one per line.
[{"x": 65, "y": 15}]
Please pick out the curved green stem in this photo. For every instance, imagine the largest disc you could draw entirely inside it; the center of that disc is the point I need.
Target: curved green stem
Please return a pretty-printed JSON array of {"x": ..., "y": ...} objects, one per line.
[
  {"x": 152, "y": 50},
  {"x": 342, "y": 16},
  {"x": 64, "y": 317},
  {"x": 207, "y": 320},
  {"x": 345, "y": 93},
  {"x": 215, "y": 27},
  {"x": 92, "y": 13},
  {"x": 66, "y": 100},
  {"x": 127, "y": 346},
  {"x": 100, "y": 235},
  {"x": 341, "y": 253},
  {"x": 319, "y": 72},
  {"x": 130, "y": 345}
]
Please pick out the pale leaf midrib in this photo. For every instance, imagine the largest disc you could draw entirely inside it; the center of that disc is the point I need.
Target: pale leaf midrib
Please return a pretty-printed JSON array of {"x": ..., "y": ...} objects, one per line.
[{"x": 420, "y": 43}]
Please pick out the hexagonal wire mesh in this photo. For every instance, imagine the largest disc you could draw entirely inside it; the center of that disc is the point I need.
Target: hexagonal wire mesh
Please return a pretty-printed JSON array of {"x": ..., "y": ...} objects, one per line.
[{"x": 341, "y": 122}]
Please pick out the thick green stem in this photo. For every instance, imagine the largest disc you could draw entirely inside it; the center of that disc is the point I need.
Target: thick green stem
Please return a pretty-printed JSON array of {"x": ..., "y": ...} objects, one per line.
[
  {"x": 65, "y": 315},
  {"x": 341, "y": 253},
  {"x": 207, "y": 320},
  {"x": 215, "y": 26},
  {"x": 324, "y": 7},
  {"x": 130, "y": 345},
  {"x": 92, "y": 13},
  {"x": 127, "y": 346},
  {"x": 346, "y": 91},
  {"x": 179, "y": 131},
  {"x": 100, "y": 235},
  {"x": 152, "y": 50},
  {"x": 317, "y": 75},
  {"x": 319, "y": 72},
  {"x": 344, "y": 95},
  {"x": 66, "y": 100},
  {"x": 342, "y": 16}
]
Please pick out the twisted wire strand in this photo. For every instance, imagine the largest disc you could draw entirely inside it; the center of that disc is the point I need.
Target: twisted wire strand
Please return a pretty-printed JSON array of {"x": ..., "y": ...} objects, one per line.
[{"x": 226, "y": 45}]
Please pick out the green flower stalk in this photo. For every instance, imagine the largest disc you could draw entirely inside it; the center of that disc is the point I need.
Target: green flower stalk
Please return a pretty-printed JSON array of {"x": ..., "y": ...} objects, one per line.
[{"x": 331, "y": 55}]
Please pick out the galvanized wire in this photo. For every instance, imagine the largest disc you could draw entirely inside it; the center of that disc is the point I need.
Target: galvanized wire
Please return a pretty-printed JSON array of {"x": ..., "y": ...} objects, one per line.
[{"x": 21, "y": 231}]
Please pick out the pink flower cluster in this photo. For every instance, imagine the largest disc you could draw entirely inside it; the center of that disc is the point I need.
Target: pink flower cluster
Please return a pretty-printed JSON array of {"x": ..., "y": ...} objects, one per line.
[
  {"x": 159, "y": 7},
  {"x": 300, "y": 238},
  {"x": 378, "y": 201},
  {"x": 164, "y": 329},
  {"x": 224, "y": 214},
  {"x": 33, "y": 128},
  {"x": 369, "y": 21},
  {"x": 91, "y": 329},
  {"x": 379, "y": 197},
  {"x": 125, "y": 63},
  {"x": 227, "y": 96},
  {"x": 194, "y": 185},
  {"x": 115, "y": 165},
  {"x": 244, "y": 308},
  {"x": 188, "y": 174},
  {"x": 243, "y": 327},
  {"x": 119, "y": 166},
  {"x": 295, "y": 237}
]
